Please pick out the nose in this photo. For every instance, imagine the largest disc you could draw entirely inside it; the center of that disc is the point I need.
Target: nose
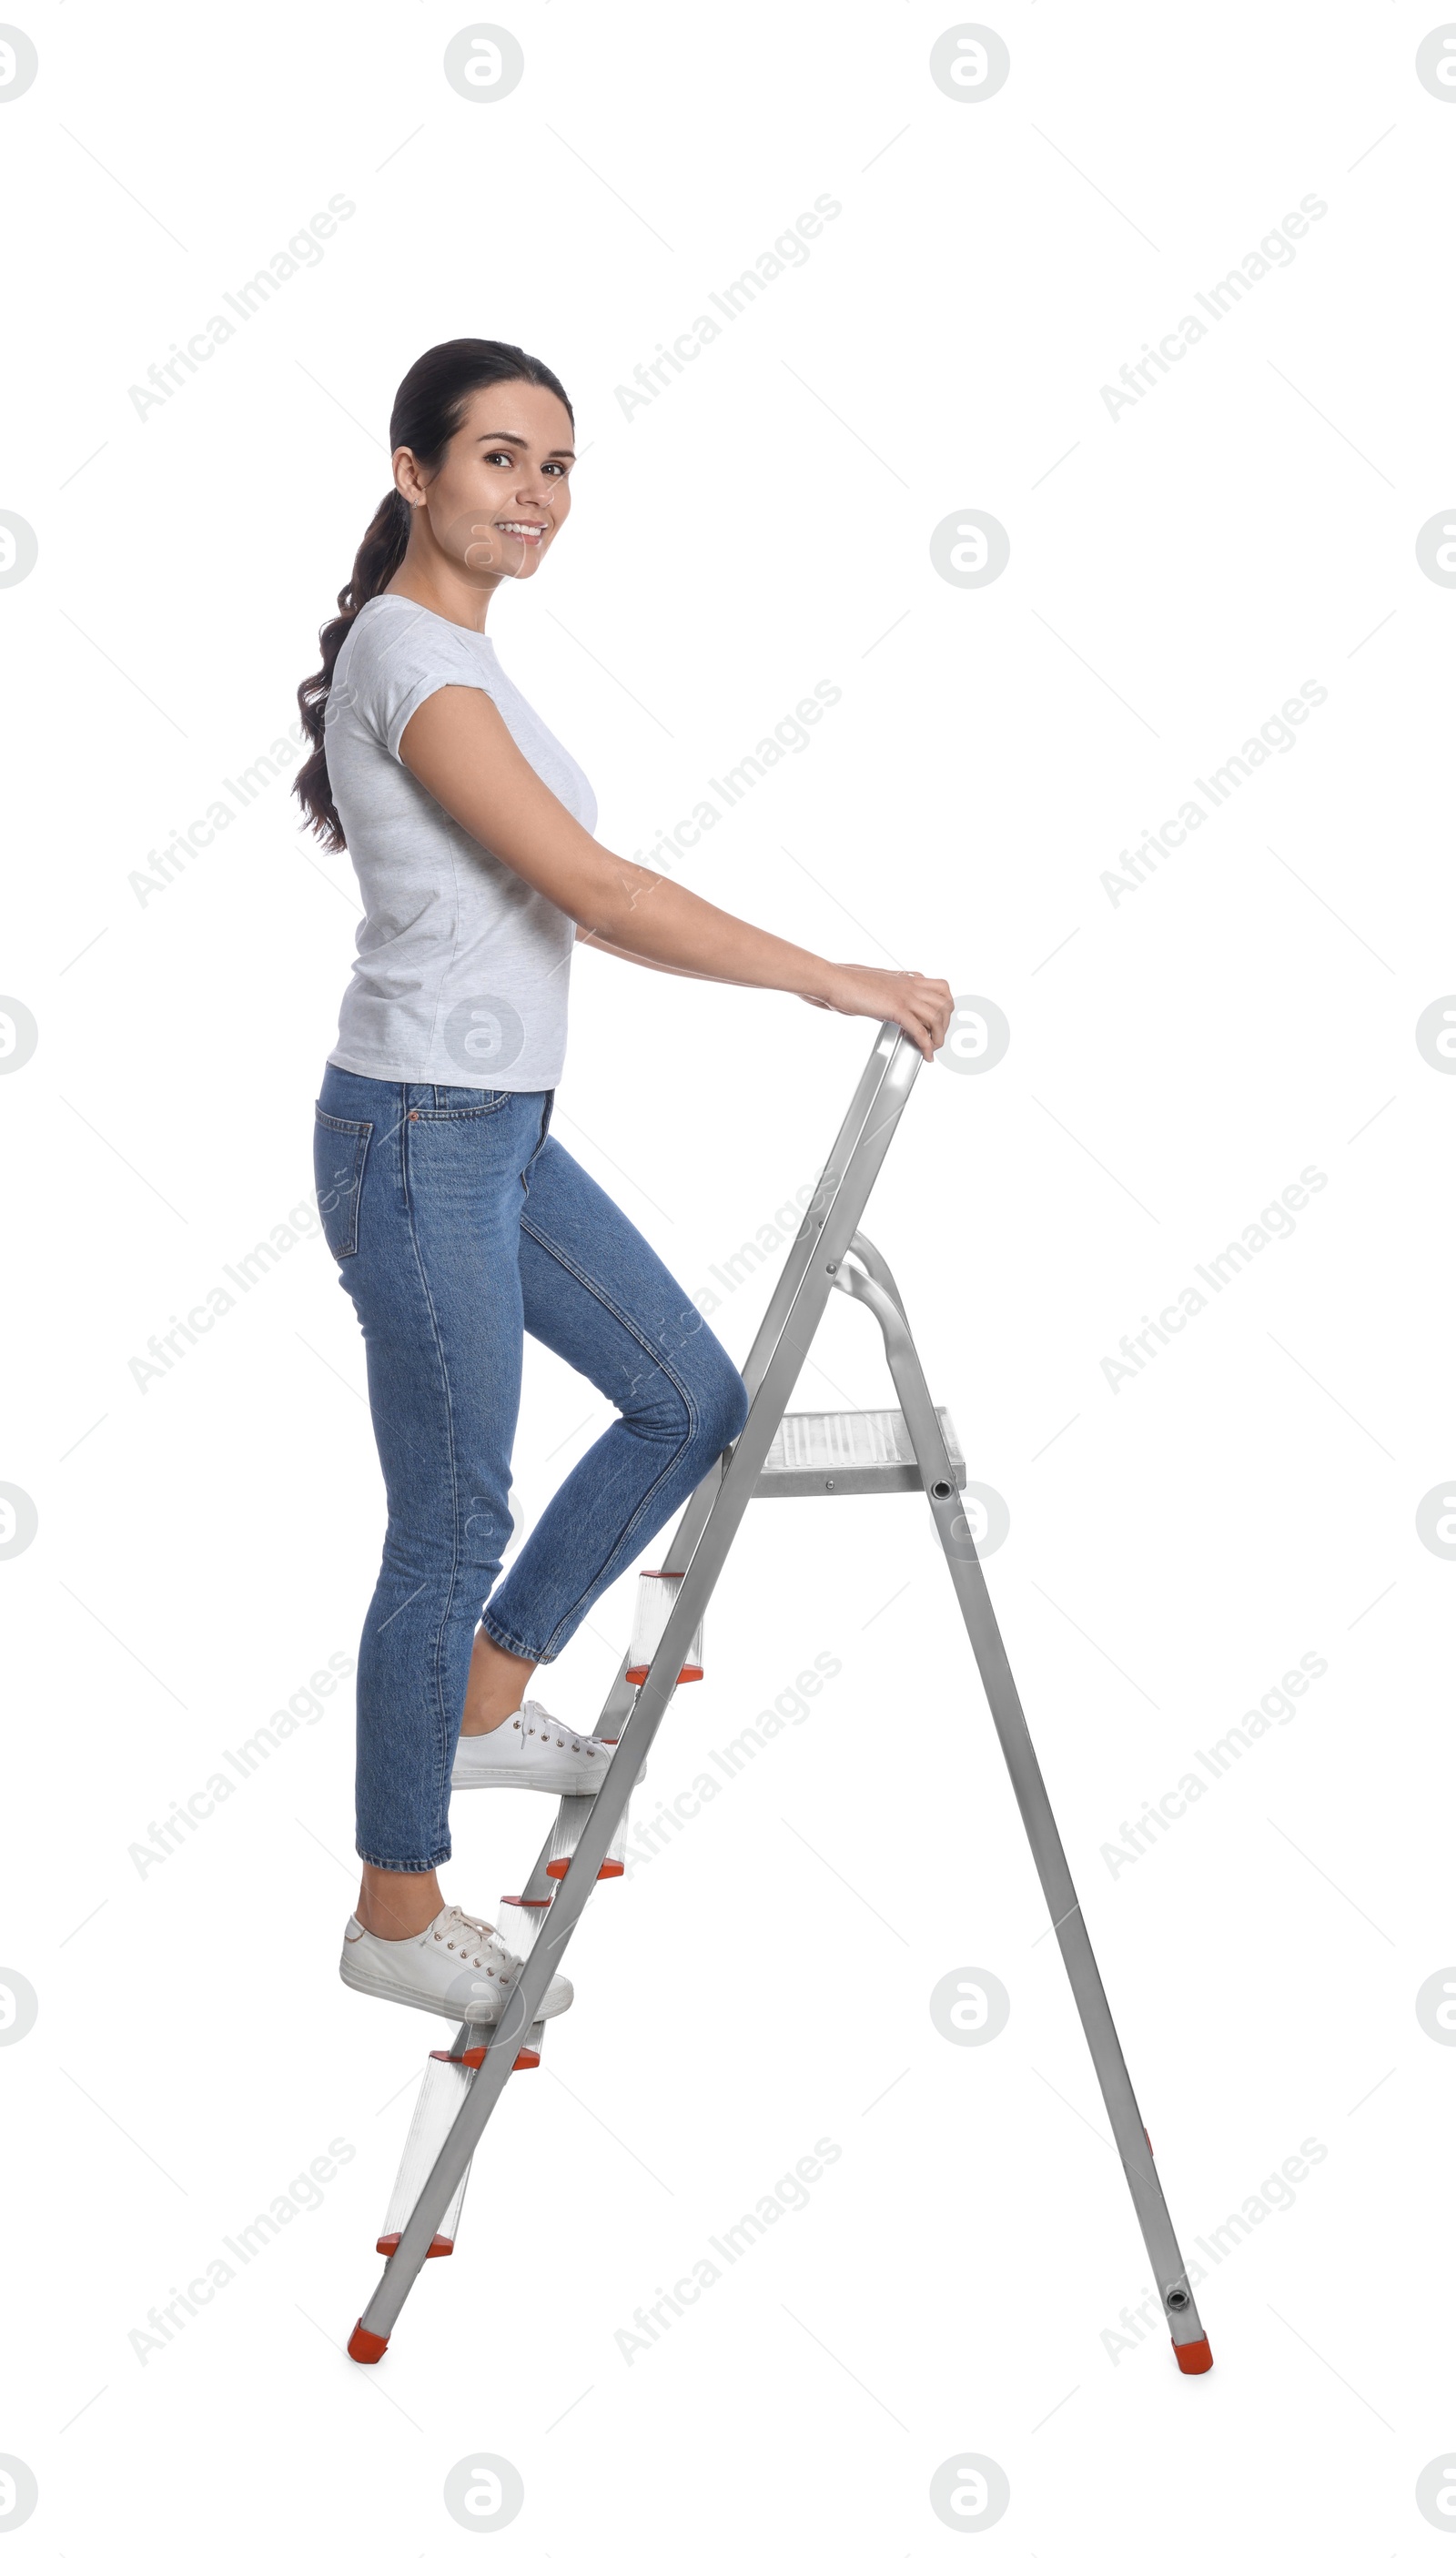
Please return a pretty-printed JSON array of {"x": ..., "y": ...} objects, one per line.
[{"x": 533, "y": 492}]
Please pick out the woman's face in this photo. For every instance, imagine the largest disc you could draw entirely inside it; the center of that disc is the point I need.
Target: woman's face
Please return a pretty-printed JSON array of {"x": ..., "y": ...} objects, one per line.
[{"x": 501, "y": 494}]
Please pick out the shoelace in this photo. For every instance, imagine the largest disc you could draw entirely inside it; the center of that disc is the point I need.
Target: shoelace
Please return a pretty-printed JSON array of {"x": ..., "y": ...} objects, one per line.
[
  {"x": 533, "y": 1722},
  {"x": 471, "y": 1939}
]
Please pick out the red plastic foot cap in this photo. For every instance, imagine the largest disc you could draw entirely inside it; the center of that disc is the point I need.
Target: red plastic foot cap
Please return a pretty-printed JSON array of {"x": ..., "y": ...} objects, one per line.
[
  {"x": 363, "y": 2347},
  {"x": 1194, "y": 2357}
]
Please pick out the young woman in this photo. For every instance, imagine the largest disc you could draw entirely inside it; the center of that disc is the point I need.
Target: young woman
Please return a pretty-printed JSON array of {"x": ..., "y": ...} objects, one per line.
[{"x": 458, "y": 1223}]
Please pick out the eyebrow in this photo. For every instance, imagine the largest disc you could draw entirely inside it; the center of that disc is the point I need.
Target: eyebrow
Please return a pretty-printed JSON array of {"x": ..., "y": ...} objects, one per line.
[{"x": 558, "y": 452}]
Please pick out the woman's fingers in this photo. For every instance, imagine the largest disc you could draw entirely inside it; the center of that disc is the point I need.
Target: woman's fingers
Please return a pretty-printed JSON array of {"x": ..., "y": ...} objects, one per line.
[
  {"x": 910, "y": 1021},
  {"x": 927, "y": 1013},
  {"x": 920, "y": 1006}
]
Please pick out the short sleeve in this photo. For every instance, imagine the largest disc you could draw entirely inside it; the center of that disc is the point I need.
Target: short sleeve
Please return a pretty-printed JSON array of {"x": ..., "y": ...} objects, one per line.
[{"x": 398, "y": 660}]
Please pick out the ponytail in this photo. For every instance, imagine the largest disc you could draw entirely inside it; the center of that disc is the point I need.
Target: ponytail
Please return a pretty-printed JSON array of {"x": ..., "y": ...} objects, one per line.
[
  {"x": 379, "y": 555},
  {"x": 429, "y": 408}
]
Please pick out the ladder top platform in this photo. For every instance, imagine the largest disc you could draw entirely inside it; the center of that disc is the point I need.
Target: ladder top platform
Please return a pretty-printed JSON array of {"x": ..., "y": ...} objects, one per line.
[{"x": 849, "y": 1452}]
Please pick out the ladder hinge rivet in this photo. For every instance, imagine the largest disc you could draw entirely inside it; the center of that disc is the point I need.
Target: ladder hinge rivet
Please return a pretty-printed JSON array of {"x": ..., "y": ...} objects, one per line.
[{"x": 831, "y": 1267}]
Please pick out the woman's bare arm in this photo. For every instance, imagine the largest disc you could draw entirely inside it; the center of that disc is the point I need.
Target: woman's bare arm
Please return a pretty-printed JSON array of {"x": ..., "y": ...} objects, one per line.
[
  {"x": 614, "y": 950},
  {"x": 458, "y": 745}
]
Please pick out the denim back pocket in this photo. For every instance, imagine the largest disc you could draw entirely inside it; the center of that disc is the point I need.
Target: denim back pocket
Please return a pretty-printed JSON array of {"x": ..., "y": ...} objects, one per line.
[{"x": 339, "y": 1148}]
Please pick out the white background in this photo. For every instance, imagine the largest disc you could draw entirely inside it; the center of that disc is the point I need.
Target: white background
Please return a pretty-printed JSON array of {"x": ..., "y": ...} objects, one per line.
[{"x": 1177, "y": 1058}]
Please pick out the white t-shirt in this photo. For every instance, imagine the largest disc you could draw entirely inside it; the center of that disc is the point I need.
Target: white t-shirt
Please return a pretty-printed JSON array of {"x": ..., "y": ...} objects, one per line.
[{"x": 463, "y": 968}]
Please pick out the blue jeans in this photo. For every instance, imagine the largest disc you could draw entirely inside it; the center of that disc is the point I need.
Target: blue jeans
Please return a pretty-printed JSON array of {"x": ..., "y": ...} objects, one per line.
[{"x": 458, "y": 1225}]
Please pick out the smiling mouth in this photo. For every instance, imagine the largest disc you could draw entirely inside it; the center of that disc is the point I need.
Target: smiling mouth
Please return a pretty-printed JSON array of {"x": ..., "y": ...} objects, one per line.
[{"x": 523, "y": 529}]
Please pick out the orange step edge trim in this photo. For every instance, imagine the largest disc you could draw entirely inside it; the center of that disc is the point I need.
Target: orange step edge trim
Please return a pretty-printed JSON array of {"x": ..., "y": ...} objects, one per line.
[{"x": 473, "y": 2060}]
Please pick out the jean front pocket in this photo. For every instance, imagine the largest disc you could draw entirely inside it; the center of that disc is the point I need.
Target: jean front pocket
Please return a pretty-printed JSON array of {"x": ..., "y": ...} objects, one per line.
[
  {"x": 455, "y": 1101},
  {"x": 551, "y": 1105},
  {"x": 339, "y": 1148}
]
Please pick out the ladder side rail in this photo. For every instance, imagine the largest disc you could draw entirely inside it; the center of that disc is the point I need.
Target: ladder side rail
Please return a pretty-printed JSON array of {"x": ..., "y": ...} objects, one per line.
[
  {"x": 1029, "y": 1787},
  {"x": 891, "y": 1069},
  {"x": 890, "y": 1058},
  {"x": 850, "y": 1184}
]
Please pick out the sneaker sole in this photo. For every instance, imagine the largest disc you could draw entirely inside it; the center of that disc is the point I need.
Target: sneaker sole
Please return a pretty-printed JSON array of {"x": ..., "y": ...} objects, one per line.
[
  {"x": 399, "y": 1997},
  {"x": 523, "y": 1783}
]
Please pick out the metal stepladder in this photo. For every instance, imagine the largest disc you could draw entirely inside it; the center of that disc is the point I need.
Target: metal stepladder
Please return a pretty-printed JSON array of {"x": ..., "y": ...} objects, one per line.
[{"x": 910, "y": 1448}]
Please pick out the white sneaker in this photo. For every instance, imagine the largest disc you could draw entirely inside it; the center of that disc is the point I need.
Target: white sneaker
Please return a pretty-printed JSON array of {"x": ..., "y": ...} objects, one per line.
[
  {"x": 532, "y": 1749},
  {"x": 456, "y": 1960}
]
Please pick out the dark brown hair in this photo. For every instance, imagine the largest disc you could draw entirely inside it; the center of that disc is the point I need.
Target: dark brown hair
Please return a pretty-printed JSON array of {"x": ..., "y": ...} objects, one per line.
[{"x": 429, "y": 408}]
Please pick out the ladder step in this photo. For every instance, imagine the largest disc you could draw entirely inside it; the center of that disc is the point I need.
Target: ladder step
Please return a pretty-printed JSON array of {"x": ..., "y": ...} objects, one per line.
[
  {"x": 657, "y": 1594},
  {"x": 849, "y": 1452},
  {"x": 442, "y": 2094},
  {"x": 527, "y": 2058},
  {"x": 571, "y": 1820},
  {"x": 518, "y": 1923}
]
